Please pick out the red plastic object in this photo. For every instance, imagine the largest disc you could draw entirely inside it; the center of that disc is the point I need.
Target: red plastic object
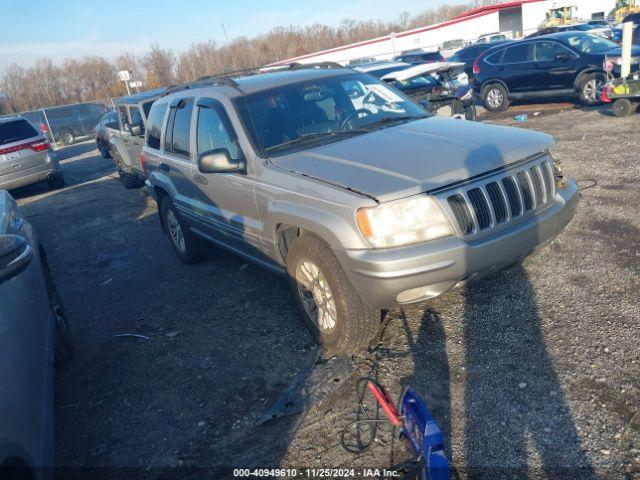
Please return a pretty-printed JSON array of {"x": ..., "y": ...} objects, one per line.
[
  {"x": 37, "y": 146},
  {"x": 384, "y": 399}
]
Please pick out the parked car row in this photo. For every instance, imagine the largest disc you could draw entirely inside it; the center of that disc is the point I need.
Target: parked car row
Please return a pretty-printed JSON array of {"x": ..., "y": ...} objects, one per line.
[
  {"x": 342, "y": 183},
  {"x": 565, "y": 64}
]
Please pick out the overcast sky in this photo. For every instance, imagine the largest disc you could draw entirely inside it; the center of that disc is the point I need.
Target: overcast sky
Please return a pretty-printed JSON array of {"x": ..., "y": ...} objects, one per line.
[{"x": 71, "y": 28}]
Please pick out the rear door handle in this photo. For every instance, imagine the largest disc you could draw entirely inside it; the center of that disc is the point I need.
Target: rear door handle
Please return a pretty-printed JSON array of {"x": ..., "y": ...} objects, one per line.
[{"x": 164, "y": 167}]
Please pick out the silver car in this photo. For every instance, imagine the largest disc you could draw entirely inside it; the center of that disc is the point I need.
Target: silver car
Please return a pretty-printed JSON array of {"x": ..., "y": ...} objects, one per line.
[
  {"x": 26, "y": 156},
  {"x": 364, "y": 201},
  {"x": 33, "y": 333}
]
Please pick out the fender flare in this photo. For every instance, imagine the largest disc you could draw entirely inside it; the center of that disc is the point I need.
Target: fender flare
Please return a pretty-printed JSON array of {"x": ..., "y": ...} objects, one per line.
[
  {"x": 332, "y": 228},
  {"x": 587, "y": 71}
]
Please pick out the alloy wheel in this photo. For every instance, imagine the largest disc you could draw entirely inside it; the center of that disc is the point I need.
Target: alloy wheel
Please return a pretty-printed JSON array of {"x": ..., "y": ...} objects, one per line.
[
  {"x": 495, "y": 98},
  {"x": 175, "y": 231},
  {"x": 590, "y": 90},
  {"x": 316, "y": 295}
]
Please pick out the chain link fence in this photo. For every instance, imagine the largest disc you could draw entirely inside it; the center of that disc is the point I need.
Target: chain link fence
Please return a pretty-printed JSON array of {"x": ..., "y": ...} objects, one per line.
[{"x": 68, "y": 124}]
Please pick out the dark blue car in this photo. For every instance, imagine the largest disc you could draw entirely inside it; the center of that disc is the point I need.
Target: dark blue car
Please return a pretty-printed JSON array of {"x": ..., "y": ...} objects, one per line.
[{"x": 559, "y": 65}]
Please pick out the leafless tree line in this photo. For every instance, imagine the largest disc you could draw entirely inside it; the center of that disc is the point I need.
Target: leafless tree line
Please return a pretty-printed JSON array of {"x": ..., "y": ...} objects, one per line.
[{"x": 93, "y": 77}]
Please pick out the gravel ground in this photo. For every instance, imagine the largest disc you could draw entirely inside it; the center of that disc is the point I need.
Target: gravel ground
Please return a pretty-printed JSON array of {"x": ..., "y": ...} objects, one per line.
[{"x": 532, "y": 373}]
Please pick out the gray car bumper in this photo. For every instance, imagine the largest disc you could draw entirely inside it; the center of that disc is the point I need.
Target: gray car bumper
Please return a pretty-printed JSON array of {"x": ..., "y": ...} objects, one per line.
[
  {"x": 435, "y": 267},
  {"x": 29, "y": 176}
]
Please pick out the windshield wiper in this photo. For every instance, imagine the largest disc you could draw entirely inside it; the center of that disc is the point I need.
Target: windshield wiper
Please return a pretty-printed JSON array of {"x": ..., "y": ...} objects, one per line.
[
  {"x": 310, "y": 138},
  {"x": 387, "y": 120}
]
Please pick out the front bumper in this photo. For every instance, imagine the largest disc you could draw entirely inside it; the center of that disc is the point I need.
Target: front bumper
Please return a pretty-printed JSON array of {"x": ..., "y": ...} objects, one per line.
[{"x": 436, "y": 267}]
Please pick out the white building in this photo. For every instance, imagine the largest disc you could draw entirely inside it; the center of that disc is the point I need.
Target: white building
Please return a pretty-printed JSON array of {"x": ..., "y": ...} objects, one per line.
[{"x": 520, "y": 17}]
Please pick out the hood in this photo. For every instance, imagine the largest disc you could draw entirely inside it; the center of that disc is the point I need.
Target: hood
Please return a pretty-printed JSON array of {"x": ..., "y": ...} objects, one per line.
[
  {"x": 424, "y": 69},
  {"x": 415, "y": 157},
  {"x": 617, "y": 52}
]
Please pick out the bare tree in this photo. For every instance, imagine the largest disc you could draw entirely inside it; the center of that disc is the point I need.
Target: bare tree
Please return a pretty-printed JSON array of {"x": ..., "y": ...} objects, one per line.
[
  {"x": 159, "y": 65},
  {"x": 90, "y": 78}
]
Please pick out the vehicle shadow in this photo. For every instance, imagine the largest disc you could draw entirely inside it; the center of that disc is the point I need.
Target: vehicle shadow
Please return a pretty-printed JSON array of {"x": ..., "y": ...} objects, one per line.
[{"x": 517, "y": 423}]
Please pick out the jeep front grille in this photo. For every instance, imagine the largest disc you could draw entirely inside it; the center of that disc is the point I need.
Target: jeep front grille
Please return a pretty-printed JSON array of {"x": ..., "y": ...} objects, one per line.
[{"x": 502, "y": 198}]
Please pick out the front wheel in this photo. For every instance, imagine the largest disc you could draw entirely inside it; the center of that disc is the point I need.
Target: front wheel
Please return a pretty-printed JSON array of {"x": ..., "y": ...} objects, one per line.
[
  {"x": 589, "y": 88},
  {"x": 338, "y": 318},
  {"x": 495, "y": 97}
]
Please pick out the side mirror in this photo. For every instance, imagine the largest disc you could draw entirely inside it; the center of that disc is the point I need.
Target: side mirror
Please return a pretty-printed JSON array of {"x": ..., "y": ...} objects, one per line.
[
  {"x": 15, "y": 256},
  {"x": 563, "y": 57},
  {"x": 219, "y": 161},
  {"x": 135, "y": 129},
  {"x": 427, "y": 105}
]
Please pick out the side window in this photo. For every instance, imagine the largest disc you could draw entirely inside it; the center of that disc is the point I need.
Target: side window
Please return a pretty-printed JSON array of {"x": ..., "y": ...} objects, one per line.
[
  {"x": 215, "y": 131},
  {"x": 547, "y": 51},
  {"x": 122, "y": 113},
  {"x": 182, "y": 128},
  {"x": 495, "y": 58},
  {"x": 136, "y": 117},
  {"x": 518, "y": 54},
  {"x": 154, "y": 125}
]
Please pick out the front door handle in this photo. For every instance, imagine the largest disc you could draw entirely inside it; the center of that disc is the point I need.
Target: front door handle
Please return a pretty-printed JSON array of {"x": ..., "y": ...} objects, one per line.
[{"x": 164, "y": 167}]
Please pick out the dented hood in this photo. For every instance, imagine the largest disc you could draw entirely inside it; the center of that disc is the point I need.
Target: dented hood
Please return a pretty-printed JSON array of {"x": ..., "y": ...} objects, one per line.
[{"x": 415, "y": 157}]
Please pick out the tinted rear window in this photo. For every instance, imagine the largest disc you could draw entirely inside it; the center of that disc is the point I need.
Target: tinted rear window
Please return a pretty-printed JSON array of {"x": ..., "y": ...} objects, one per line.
[
  {"x": 146, "y": 108},
  {"x": 15, "y": 131},
  {"x": 154, "y": 124},
  {"x": 182, "y": 128},
  {"x": 517, "y": 54}
]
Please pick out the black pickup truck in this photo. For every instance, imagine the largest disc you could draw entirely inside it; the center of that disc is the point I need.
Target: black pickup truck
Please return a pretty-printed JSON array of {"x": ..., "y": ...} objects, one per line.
[{"x": 70, "y": 123}]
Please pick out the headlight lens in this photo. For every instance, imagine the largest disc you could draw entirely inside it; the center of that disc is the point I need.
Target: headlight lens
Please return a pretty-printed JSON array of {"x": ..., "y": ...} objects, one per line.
[{"x": 414, "y": 220}]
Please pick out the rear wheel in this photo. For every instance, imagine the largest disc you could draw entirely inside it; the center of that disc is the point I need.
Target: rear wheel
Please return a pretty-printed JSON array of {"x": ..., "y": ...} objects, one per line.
[
  {"x": 130, "y": 180},
  {"x": 66, "y": 137},
  {"x": 187, "y": 246},
  {"x": 338, "y": 318},
  {"x": 56, "y": 182},
  {"x": 622, "y": 107},
  {"x": 104, "y": 149},
  {"x": 589, "y": 88},
  {"x": 495, "y": 97}
]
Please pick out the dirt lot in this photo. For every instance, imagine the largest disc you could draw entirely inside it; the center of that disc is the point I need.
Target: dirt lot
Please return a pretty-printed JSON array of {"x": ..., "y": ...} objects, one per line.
[{"x": 534, "y": 372}]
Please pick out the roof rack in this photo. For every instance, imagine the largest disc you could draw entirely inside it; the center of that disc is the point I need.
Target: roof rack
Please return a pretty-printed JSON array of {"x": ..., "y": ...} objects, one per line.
[{"x": 226, "y": 78}]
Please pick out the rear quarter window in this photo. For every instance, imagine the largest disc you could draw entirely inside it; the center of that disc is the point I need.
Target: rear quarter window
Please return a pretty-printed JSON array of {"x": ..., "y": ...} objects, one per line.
[
  {"x": 15, "y": 131},
  {"x": 154, "y": 124},
  {"x": 180, "y": 136},
  {"x": 495, "y": 58}
]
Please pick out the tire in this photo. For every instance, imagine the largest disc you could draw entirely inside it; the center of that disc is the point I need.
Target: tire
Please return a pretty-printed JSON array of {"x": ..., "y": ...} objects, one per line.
[
  {"x": 66, "y": 137},
  {"x": 622, "y": 107},
  {"x": 130, "y": 180},
  {"x": 57, "y": 183},
  {"x": 589, "y": 87},
  {"x": 457, "y": 108},
  {"x": 63, "y": 338},
  {"x": 104, "y": 149},
  {"x": 351, "y": 323},
  {"x": 190, "y": 248},
  {"x": 495, "y": 97},
  {"x": 471, "y": 113}
]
